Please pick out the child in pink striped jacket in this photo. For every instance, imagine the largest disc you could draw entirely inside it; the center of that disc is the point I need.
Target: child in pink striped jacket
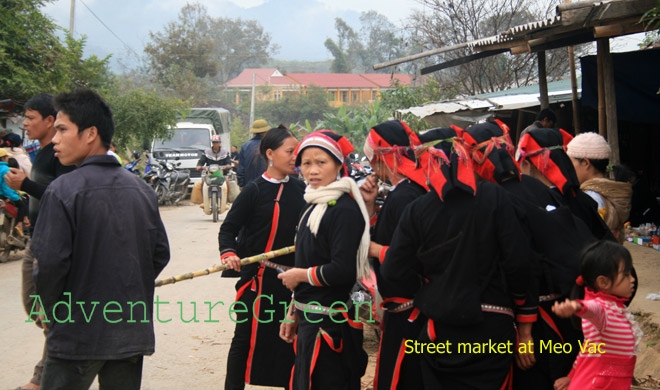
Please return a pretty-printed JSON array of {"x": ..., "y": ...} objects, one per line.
[{"x": 611, "y": 335}]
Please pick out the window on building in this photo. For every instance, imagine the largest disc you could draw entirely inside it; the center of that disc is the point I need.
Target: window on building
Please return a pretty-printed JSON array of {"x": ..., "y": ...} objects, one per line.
[
  {"x": 354, "y": 96},
  {"x": 277, "y": 95},
  {"x": 344, "y": 96},
  {"x": 331, "y": 96},
  {"x": 374, "y": 95}
]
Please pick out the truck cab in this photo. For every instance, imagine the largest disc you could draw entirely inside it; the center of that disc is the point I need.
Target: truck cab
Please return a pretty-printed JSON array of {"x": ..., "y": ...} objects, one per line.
[{"x": 191, "y": 137}]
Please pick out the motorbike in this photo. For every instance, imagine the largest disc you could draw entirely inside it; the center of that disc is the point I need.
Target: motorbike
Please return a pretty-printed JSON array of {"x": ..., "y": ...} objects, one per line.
[
  {"x": 218, "y": 189},
  {"x": 170, "y": 184},
  {"x": 8, "y": 242},
  {"x": 132, "y": 167}
]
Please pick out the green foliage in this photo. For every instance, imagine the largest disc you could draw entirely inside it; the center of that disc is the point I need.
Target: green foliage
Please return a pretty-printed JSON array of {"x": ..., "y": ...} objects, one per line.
[
  {"x": 404, "y": 96},
  {"x": 239, "y": 131},
  {"x": 354, "y": 123},
  {"x": 652, "y": 20},
  {"x": 34, "y": 60},
  {"x": 141, "y": 114},
  {"x": 650, "y": 38},
  {"x": 378, "y": 40},
  {"x": 197, "y": 51},
  {"x": 292, "y": 108},
  {"x": 340, "y": 63}
]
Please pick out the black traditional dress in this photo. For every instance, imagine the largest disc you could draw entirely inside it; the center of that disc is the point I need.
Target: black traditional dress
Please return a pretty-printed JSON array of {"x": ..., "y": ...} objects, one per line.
[
  {"x": 263, "y": 218},
  {"x": 467, "y": 252},
  {"x": 394, "y": 368},
  {"x": 329, "y": 352}
]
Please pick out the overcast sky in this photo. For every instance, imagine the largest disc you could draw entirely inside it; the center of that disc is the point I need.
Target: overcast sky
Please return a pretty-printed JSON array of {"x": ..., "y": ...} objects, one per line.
[{"x": 299, "y": 27}]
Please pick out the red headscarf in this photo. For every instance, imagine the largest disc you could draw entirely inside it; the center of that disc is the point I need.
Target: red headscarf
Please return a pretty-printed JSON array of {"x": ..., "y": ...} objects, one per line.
[
  {"x": 337, "y": 145},
  {"x": 546, "y": 149},
  {"x": 442, "y": 155},
  {"x": 390, "y": 141},
  {"x": 491, "y": 150}
]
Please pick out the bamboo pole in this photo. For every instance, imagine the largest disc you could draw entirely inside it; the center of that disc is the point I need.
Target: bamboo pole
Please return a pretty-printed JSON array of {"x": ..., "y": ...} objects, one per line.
[
  {"x": 543, "y": 81},
  {"x": 602, "y": 117},
  {"x": 219, "y": 268},
  {"x": 610, "y": 105},
  {"x": 574, "y": 93}
]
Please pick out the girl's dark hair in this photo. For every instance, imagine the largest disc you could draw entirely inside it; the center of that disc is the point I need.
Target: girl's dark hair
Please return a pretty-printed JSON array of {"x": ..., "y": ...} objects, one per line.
[
  {"x": 274, "y": 139},
  {"x": 603, "y": 258},
  {"x": 12, "y": 163},
  {"x": 600, "y": 165}
]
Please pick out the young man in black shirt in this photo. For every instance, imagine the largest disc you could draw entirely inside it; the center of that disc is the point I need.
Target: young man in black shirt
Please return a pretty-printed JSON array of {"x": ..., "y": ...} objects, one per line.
[
  {"x": 100, "y": 239},
  {"x": 39, "y": 125}
]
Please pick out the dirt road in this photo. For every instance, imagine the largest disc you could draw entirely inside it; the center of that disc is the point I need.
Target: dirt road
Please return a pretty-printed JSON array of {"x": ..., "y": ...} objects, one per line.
[{"x": 190, "y": 350}]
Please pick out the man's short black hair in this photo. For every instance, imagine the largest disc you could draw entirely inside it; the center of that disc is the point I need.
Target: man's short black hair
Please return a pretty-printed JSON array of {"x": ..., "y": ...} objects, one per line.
[
  {"x": 43, "y": 104},
  {"x": 546, "y": 113},
  {"x": 86, "y": 108}
]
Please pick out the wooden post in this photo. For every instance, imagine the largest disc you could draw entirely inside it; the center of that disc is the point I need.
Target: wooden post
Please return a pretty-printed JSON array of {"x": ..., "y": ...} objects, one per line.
[
  {"x": 72, "y": 17},
  {"x": 602, "y": 119},
  {"x": 519, "y": 125},
  {"x": 254, "y": 78},
  {"x": 610, "y": 103},
  {"x": 543, "y": 81},
  {"x": 574, "y": 93}
]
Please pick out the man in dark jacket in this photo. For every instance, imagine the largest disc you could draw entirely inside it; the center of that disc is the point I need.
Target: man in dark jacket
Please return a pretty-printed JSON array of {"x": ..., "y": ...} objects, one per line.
[
  {"x": 99, "y": 242},
  {"x": 250, "y": 162}
]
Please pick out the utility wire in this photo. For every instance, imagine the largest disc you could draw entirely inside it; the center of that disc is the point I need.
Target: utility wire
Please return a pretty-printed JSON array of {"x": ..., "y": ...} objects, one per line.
[{"x": 108, "y": 28}]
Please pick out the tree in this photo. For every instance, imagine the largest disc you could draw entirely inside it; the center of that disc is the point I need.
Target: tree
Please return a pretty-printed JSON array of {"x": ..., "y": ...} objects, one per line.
[
  {"x": 458, "y": 21},
  {"x": 141, "y": 113},
  {"x": 405, "y": 96},
  {"x": 205, "y": 49},
  {"x": 340, "y": 63},
  {"x": 34, "y": 60},
  {"x": 378, "y": 40},
  {"x": 294, "y": 108}
]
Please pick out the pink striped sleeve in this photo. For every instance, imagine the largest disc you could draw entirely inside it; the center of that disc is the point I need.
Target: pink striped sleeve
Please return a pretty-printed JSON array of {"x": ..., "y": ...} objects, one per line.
[{"x": 593, "y": 312}]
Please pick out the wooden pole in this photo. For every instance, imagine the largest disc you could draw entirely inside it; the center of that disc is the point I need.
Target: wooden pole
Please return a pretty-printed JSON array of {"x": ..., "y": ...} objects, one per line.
[
  {"x": 602, "y": 125},
  {"x": 254, "y": 78},
  {"x": 72, "y": 16},
  {"x": 610, "y": 104},
  {"x": 519, "y": 125},
  {"x": 574, "y": 92},
  {"x": 543, "y": 81},
  {"x": 219, "y": 268}
]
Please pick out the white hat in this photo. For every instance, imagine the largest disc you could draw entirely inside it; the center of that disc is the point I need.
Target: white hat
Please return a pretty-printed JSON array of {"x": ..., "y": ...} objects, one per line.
[{"x": 589, "y": 145}]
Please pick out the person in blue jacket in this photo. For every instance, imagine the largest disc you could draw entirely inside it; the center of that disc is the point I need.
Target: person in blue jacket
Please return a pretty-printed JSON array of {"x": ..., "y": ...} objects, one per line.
[
  {"x": 12, "y": 195},
  {"x": 250, "y": 162}
]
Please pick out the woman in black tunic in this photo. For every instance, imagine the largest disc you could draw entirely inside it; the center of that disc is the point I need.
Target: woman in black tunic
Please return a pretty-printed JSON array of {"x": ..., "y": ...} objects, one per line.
[
  {"x": 461, "y": 241},
  {"x": 388, "y": 149},
  {"x": 331, "y": 254},
  {"x": 557, "y": 239},
  {"x": 542, "y": 154},
  {"x": 263, "y": 218}
]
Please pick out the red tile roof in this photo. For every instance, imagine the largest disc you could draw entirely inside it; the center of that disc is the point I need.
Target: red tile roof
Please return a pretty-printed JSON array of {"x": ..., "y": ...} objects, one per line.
[
  {"x": 269, "y": 76},
  {"x": 384, "y": 80}
]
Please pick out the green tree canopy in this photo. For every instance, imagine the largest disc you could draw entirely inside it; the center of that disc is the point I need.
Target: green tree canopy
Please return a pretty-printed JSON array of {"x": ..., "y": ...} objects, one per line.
[
  {"x": 34, "y": 60},
  {"x": 141, "y": 114},
  {"x": 200, "y": 48}
]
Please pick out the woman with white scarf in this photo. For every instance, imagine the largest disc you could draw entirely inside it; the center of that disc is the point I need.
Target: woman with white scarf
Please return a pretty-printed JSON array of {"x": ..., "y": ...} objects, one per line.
[{"x": 331, "y": 254}]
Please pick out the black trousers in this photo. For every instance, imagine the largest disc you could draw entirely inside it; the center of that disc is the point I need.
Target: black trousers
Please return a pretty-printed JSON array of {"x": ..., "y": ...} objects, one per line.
[{"x": 63, "y": 374}]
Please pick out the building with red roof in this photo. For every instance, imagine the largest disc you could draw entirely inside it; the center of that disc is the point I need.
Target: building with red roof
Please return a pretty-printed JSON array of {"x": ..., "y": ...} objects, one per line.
[{"x": 342, "y": 88}]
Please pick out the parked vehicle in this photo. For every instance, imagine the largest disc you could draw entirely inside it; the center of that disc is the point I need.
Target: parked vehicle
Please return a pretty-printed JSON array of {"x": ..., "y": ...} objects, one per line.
[
  {"x": 8, "y": 242},
  {"x": 170, "y": 184},
  {"x": 191, "y": 137},
  {"x": 132, "y": 166}
]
